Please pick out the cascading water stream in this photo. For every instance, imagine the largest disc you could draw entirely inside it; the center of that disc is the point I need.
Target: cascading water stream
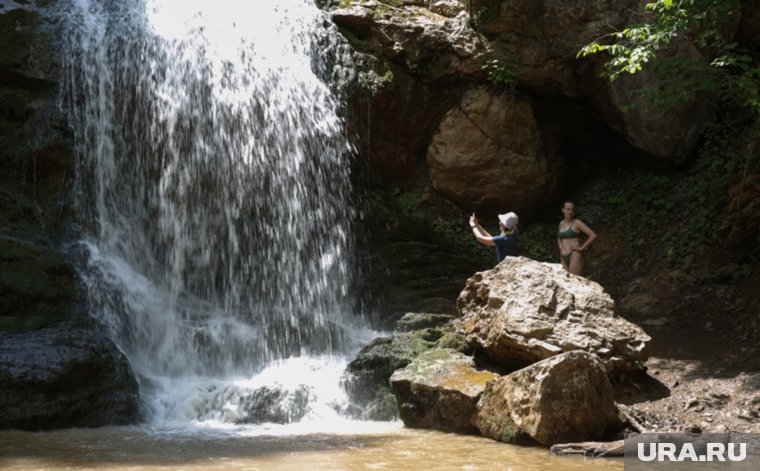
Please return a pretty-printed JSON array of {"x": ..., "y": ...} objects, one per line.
[{"x": 214, "y": 187}]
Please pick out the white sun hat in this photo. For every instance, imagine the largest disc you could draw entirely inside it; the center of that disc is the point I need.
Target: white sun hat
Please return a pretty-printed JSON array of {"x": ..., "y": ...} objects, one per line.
[{"x": 509, "y": 220}]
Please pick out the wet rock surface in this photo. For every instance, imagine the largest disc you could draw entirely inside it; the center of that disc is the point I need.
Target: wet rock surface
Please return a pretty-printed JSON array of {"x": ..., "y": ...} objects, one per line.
[{"x": 66, "y": 375}]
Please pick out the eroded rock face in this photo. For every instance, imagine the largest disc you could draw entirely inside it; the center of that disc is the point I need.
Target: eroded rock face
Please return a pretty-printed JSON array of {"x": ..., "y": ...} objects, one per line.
[
  {"x": 561, "y": 399},
  {"x": 65, "y": 375},
  {"x": 431, "y": 39},
  {"x": 671, "y": 132},
  {"x": 543, "y": 37},
  {"x": 440, "y": 390},
  {"x": 401, "y": 49},
  {"x": 488, "y": 150},
  {"x": 523, "y": 311}
]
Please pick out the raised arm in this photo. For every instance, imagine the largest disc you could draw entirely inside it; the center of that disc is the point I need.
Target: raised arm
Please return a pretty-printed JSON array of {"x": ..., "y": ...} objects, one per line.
[{"x": 481, "y": 235}]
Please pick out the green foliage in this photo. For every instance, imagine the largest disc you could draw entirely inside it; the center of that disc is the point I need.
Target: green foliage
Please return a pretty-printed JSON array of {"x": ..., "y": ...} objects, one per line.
[
  {"x": 475, "y": 19},
  {"x": 683, "y": 210},
  {"x": 538, "y": 242},
  {"x": 734, "y": 73},
  {"x": 373, "y": 82},
  {"x": 501, "y": 72},
  {"x": 416, "y": 220}
]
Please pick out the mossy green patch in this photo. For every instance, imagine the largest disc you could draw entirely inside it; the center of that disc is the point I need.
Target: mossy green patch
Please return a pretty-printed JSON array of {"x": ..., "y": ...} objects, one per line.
[{"x": 510, "y": 434}]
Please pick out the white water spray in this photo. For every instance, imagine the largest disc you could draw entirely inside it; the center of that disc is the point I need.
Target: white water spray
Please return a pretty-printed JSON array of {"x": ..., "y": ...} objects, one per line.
[{"x": 214, "y": 183}]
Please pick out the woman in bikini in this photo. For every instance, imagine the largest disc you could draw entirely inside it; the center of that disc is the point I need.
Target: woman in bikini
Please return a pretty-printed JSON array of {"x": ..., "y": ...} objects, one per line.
[{"x": 569, "y": 239}]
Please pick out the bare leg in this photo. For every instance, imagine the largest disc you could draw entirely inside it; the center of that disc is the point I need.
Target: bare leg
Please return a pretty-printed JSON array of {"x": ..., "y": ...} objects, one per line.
[{"x": 576, "y": 263}]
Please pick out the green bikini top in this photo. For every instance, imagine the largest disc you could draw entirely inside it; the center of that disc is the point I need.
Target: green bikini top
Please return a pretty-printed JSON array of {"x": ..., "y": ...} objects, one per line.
[{"x": 568, "y": 233}]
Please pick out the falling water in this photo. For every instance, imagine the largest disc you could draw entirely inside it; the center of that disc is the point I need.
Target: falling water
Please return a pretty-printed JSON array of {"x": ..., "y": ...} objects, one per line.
[{"x": 214, "y": 186}]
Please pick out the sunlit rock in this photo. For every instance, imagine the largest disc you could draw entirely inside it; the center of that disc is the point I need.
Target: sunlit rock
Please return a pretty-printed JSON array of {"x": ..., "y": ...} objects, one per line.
[
  {"x": 367, "y": 377},
  {"x": 523, "y": 311},
  {"x": 431, "y": 39},
  {"x": 440, "y": 390},
  {"x": 489, "y": 150},
  {"x": 561, "y": 399}
]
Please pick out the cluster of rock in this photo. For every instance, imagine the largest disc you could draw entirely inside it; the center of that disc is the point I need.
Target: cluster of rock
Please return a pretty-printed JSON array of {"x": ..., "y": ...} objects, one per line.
[
  {"x": 537, "y": 348},
  {"x": 427, "y": 65}
]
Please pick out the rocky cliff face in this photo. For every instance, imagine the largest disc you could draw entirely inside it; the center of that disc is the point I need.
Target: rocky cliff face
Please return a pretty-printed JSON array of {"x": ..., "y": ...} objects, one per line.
[
  {"x": 432, "y": 66},
  {"x": 57, "y": 369},
  {"x": 36, "y": 283}
]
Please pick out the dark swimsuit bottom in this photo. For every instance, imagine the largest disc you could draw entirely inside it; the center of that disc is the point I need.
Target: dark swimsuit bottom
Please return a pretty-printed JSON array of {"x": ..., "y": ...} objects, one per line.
[{"x": 568, "y": 233}]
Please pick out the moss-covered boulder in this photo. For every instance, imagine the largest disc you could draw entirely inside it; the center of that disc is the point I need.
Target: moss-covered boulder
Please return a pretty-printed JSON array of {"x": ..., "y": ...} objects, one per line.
[
  {"x": 367, "y": 377},
  {"x": 440, "y": 390},
  {"x": 421, "y": 320}
]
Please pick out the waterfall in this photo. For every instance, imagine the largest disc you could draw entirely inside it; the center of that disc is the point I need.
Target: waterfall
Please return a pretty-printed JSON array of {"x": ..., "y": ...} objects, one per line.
[{"x": 214, "y": 187}]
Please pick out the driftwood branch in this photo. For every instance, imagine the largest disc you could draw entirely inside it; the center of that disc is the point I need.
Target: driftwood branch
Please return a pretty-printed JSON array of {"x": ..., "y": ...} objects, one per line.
[
  {"x": 598, "y": 449},
  {"x": 632, "y": 420}
]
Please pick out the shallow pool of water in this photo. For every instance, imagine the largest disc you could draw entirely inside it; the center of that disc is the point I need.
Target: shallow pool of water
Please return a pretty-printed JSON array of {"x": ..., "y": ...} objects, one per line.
[{"x": 381, "y": 446}]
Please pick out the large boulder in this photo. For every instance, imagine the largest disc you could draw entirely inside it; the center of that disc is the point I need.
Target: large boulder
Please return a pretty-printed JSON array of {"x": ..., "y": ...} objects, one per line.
[
  {"x": 66, "y": 375},
  {"x": 367, "y": 377},
  {"x": 543, "y": 37},
  {"x": 440, "y": 390},
  {"x": 489, "y": 150},
  {"x": 667, "y": 130},
  {"x": 523, "y": 311},
  {"x": 561, "y": 399}
]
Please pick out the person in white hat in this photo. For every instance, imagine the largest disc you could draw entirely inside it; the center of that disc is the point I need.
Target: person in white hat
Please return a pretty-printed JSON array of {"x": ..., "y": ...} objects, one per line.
[{"x": 506, "y": 243}]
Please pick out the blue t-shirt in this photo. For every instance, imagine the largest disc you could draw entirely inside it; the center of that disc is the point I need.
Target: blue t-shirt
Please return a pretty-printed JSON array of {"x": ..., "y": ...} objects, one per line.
[{"x": 506, "y": 244}]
